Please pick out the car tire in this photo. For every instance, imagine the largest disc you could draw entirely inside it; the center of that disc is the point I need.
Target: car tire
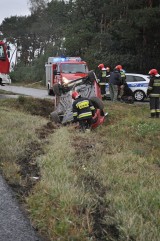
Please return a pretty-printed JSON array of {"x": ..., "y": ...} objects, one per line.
[
  {"x": 55, "y": 117},
  {"x": 98, "y": 103},
  {"x": 139, "y": 95},
  {"x": 50, "y": 92}
]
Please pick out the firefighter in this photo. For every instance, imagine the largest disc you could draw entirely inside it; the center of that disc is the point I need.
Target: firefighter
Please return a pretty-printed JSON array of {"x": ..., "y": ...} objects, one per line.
[
  {"x": 83, "y": 110},
  {"x": 108, "y": 71},
  {"x": 154, "y": 93},
  {"x": 123, "y": 80},
  {"x": 102, "y": 80}
]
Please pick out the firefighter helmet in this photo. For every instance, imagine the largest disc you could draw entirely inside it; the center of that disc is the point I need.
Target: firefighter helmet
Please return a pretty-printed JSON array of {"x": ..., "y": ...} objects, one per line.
[
  {"x": 75, "y": 95},
  {"x": 101, "y": 66},
  {"x": 118, "y": 67},
  {"x": 153, "y": 72}
]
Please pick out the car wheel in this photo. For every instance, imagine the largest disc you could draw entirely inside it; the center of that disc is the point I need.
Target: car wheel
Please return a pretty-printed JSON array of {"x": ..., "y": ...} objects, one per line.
[
  {"x": 98, "y": 103},
  {"x": 50, "y": 92},
  {"x": 55, "y": 117},
  {"x": 139, "y": 95}
]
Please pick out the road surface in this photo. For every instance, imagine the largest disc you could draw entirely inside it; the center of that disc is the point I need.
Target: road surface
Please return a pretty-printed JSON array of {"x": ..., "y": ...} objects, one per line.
[
  {"x": 14, "y": 226},
  {"x": 20, "y": 90}
]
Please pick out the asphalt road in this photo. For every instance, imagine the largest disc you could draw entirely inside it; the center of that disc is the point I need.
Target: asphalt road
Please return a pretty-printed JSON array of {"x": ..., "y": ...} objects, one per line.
[
  {"x": 37, "y": 93},
  {"x": 20, "y": 90},
  {"x": 14, "y": 226}
]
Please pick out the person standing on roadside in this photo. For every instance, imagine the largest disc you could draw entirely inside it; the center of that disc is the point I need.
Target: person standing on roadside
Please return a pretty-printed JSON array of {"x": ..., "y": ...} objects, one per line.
[
  {"x": 108, "y": 72},
  {"x": 102, "y": 80},
  {"x": 123, "y": 80},
  {"x": 154, "y": 93},
  {"x": 114, "y": 83}
]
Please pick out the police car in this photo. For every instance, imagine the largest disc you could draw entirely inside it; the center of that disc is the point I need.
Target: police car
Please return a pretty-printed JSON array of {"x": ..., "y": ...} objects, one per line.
[{"x": 138, "y": 83}]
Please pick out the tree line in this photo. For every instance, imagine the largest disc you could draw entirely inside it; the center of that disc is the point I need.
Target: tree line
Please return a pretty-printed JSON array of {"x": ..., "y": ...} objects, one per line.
[{"x": 112, "y": 32}]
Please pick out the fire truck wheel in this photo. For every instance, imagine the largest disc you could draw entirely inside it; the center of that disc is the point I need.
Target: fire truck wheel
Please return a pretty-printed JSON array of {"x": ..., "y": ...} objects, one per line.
[
  {"x": 91, "y": 76},
  {"x": 55, "y": 117},
  {"x": 50, "y": 92},
  {"x": 98, "y": 104},
  {"x": 56, "y": 89}
]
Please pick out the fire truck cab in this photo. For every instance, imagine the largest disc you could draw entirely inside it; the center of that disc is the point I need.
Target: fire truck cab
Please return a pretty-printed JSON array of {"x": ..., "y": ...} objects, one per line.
[
  {"x": 62, "y": 70},
  {"x": 4, "y": 64}
]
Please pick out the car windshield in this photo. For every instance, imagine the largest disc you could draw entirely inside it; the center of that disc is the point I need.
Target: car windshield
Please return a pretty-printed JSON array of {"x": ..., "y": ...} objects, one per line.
[{"x": 74, "y": 68}]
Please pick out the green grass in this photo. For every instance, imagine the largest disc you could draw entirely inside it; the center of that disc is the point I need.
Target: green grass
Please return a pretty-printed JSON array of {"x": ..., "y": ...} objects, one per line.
[{"x": 98, "y": 186}]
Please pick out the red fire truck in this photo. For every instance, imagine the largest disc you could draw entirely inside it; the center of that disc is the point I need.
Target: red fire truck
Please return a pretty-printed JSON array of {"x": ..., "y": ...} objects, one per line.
[
  {"x": 4, "y": 64},
  {"x": 62, "y": 70}
]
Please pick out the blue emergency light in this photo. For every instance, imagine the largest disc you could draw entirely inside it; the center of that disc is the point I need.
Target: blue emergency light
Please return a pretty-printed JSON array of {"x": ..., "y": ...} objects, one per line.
[
  {"x": 63, "y": 59},
  {"x": 58, "y": 59}
]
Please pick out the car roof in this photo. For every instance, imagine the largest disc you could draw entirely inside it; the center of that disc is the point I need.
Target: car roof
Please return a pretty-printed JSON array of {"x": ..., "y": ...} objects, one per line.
[{"x": 141, "y": 75}]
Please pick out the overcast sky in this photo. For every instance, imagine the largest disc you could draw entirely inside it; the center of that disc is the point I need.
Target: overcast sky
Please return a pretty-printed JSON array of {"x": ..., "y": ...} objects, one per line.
[{"x": 10, "y": 8}]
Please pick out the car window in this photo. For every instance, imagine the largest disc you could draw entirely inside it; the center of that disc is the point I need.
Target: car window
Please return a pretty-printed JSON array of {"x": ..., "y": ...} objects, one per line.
[
  {"x": 137, "y": 78},
  {"x": 133, "y": 78},
  {"x": 129, "y": 78}
]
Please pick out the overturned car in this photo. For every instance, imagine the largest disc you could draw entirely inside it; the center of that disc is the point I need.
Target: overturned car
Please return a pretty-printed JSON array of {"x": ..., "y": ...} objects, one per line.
[{"x": 87, "y": 87}]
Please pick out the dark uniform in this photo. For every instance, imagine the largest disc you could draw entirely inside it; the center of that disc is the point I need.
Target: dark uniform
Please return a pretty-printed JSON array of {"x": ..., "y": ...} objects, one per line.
[
  {"x": 123, "y": 78},
  {"x": 154, "y": 94},
  {"x": 103, "y": 81},
  {"x": 83, "y": 110},
  {"x": 114, "y": 83},
  {"x": 123, "y": 81}
]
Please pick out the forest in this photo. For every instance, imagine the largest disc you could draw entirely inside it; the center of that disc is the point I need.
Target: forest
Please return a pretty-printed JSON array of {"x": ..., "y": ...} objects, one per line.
[{"x": 112, "y": 32}]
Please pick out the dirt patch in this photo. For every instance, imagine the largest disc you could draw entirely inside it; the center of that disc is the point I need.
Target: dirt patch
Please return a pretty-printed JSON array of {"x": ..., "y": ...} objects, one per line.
[
  {"x": 29, "y": 170},
  {"x": 33, "y": 106},
  {"x": 46, "y": 130}
]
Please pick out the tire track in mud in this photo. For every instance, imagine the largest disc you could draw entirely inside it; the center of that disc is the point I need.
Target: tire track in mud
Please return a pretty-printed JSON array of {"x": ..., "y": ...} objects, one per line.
[
  {"x": 28, "y": 167},
  {"x": 100, "y": 231}
]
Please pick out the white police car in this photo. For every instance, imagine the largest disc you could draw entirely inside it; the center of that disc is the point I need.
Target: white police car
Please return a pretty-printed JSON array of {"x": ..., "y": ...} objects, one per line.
[{"x": 138, "y": 83}]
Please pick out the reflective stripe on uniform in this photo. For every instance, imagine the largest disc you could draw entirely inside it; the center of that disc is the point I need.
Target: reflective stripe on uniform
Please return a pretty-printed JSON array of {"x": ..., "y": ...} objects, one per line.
[
  {"x": 75, "y": 114},
  {"x": 153, "y": 111},
  {"x": 156, "y": 84},
  {"x": 123, "y": 75},
  {"x": 154, "y": 95},
  {"x": 102, "y": 83},
  {"x": 92, "y": 107},
  {"x": 157, "y": 81},
  {"x": 103, "y": 73},
  {"x": 87, "y": 114},
  {"x": 150, "y": 88}
]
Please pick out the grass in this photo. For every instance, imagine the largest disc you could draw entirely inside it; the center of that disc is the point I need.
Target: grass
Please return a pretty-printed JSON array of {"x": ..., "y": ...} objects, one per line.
[{"x": 101, "y": 186}]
